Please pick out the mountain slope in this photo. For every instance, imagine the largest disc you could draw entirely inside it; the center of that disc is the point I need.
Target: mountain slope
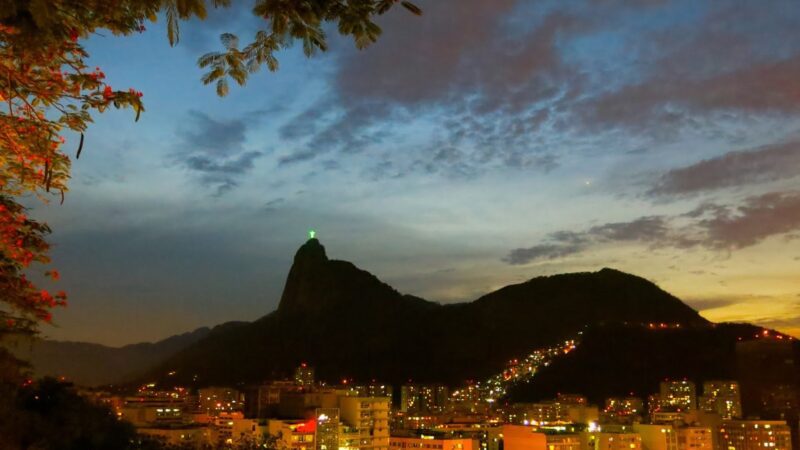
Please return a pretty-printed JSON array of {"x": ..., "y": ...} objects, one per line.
[
  {"x": 619, "y": 360},
  {"x": 347, "y": 323},
  {"x": 94, "y": 364}
]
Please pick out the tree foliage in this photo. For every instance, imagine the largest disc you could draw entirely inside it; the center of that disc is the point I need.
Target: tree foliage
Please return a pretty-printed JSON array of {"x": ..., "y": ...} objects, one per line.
[
  {"x": 47, "y": 90},
  {"x": 49, "y": 414}
]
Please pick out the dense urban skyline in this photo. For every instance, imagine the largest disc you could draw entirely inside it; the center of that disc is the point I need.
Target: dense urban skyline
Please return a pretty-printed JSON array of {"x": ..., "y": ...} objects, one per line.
[{"x": 655, "y": 137}]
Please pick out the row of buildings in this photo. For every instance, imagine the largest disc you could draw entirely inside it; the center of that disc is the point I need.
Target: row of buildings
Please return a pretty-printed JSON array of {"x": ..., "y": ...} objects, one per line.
[{"x": 302, "y": 414}]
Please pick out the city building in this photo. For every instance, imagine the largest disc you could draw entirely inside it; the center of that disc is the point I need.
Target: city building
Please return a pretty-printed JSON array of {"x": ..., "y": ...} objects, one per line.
[
  {"x": 678, "y": 395},
  {"x": 623, "y": 409},
  {"x": 326, "y": 435},
  {"x": 216, "y": 400},
  {"x": 612, "y": 441},
  {"x": 154, "y": 407},
  {"x": 754, "y": 435},
  {"x": 563, "y": 441},
  {"x": 262, "y": 400},
  {"x": 294, "y": 434},
  {"x": 768, "y": 369},
  {"x": 557, "y": 411},
  {"x": 300, "y": 404},
  {"x": 695, "y": 438},
  {"x": 468, "y": 399},
  {"x": 304, "y": 375},
  {"x": 365, "y": 419},
  {"x": 424, "y": 398},
  {"x": 233, "y": 428},
  {"x": 371, "y": 390},
  {"x": 669, "y": 437},
  {"x": 723, "y": 398},
  {"x": 657, "y": 437},
  {"x": 521, "y": 437},
  {"x": 429, "y": 441},
  {"x": 192, "y": 435}
]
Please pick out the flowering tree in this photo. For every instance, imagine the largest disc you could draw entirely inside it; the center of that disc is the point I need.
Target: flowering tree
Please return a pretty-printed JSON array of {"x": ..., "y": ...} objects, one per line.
[{"x": 46, "y": 89}]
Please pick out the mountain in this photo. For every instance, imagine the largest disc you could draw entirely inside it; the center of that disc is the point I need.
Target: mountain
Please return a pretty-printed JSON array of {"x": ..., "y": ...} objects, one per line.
[
  {"x": 346, "y": 323},
  {"x": 94, "y": 364},
  {"x": 622, "y": 360}
]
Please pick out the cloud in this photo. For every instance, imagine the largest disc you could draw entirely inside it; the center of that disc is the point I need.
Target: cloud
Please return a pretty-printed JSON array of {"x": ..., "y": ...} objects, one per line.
[
  {"x": 214, "y": 150},
  {"x": 567, "y": 243},
  {"x": 711, "y": 226},
  {"x": 520, "y": 87},
  {"x": 694, "y": 71},
  {"x": 712, "y": 303},
  {"x": 648, "y": 229},
  {"x": 765, "y": 88},
  {"x": 222, "y": 173},
  {"x": 768, "y": 163},
  {"x": 756, "y": 219},
  {"x": 212, "y": 136},
  {"x": 483, "y": 88},
  {"x": 520, "y": 256}
]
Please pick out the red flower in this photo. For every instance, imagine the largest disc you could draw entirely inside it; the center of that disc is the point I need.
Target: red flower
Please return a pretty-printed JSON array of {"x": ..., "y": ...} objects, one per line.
[{"x": 108, "y": 92}]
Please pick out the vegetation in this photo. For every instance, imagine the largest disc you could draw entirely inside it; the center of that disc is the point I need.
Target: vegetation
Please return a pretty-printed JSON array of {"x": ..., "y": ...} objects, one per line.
[
  {"x": 47, "y": 90},
  {"x": 49, "y": 414}
]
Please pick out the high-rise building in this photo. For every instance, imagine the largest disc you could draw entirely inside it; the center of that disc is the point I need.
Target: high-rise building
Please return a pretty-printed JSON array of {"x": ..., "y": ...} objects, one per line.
[
  {"x": 754, "y": 435},
  {"x": 371, "y": 390},
  {"x": 326, "y": 435},
  {"x": 365, "y": 423},
  {"x": 304, "y": 375},
  {"x": 768, "y": 369},
  {"x": 300, "y": 403},
  {"x": 424, "y": 398},
  {"x": 262, "y": 400},
  {"x": 769, "y": 372},
  {"x": 678, "y": 395},
  {"x": 613, "y": 441},
  {"x": 695, "y": 438},
  {"x": 723, "y": 398},
  {"x": 623, "y": 408}
]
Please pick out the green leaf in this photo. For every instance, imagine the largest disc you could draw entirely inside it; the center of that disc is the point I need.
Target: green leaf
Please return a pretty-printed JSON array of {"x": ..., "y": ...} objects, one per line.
[{"x": 411, "y": 7}]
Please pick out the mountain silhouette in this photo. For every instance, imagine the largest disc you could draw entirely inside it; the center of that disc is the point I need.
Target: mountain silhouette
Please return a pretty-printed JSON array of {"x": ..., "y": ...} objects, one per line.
[
  {"x": 90, "y": 364},
  {"x": 348, "y": 324}
]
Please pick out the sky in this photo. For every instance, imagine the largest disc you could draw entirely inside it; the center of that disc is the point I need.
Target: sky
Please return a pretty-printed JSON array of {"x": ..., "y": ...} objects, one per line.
[{"x": 485, "y": 143}]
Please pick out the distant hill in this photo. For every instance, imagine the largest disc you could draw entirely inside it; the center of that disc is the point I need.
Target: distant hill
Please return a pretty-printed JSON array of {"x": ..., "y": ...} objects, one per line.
[
  {"x": 94, "y": 364},
  {"x": 620, "y": 360},
  {"x": 347, "y": 323}
]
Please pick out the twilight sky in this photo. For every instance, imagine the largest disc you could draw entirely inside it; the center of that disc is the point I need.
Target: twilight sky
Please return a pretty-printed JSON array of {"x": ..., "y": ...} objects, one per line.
[{"x": 485, "y": 143}]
